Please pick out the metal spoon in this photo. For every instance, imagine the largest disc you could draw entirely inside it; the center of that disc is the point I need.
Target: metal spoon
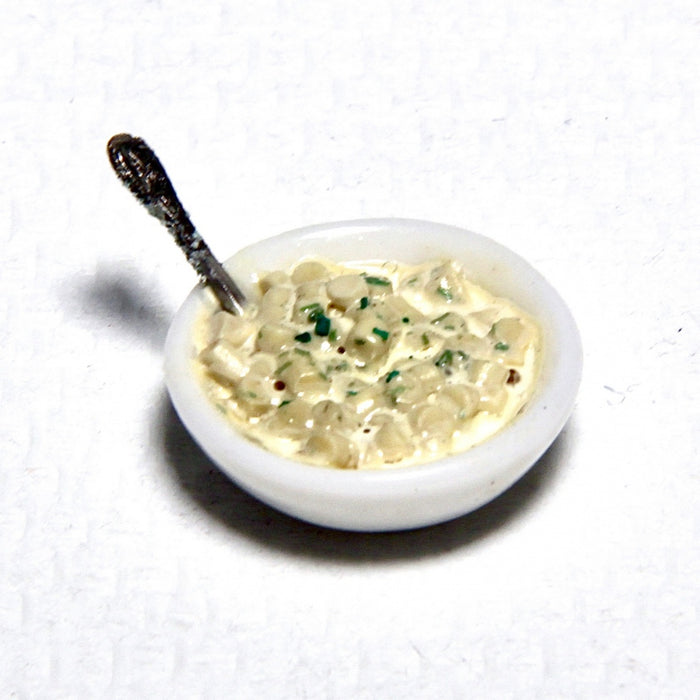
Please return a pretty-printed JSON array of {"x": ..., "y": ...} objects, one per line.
[{"x": 138, "y": 167}]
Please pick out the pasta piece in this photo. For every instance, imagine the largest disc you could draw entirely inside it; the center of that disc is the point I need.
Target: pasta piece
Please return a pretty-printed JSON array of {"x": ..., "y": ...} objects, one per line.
[
  {"x": 255, "y": 394},
  {"x": 347, "y": 291},
  {"x": 392, "y": 443},
  {"x": 234, "y": 329},
  {"x": 463, "y": 400},
  {"x": 329, "y": 415},
  {"x": 331, "y": 448},
  {"x": 426, "y": 374},
  {"x": 422, "y": 342},
  {"x": 473, "y": 346},
  {"x": 291, "y": 419},
  {"x": 404, "y": 391},
  {"x": 303, "y": 377},
  {"x": 309, "y": 270},
  {"x": 222, "y": 360},
  {"x": 263, "y": 365},
  {"x": 275, "y": 338},
  {"x": 368, "y": 340},
  {"x": 449, "y": 323},
  {"x": 217, "y": 390},
  {"x": 445, "y": 283},
  {"x": 480, "y": 322},
  {"x": 433, "y": 422},
  {"x": 311, "y": 300},
  {"x": 276, "y": 304},
  {"x": 365, "y": 399},
  {"x": 493, "y": 399},
  {"x": 395, "y": 310},
  {"x": 485, "y": 373},
  {"x": 512, "y": 338},
  {"x": 274, "y": 279}
]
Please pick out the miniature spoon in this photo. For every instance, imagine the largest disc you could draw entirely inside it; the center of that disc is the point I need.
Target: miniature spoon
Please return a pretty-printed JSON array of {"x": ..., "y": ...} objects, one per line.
[{"x": 138, "y": 167}]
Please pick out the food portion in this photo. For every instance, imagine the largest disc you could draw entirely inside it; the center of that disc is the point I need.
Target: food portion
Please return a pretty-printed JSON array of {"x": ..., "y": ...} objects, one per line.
[{"x": 369, "y": 365}]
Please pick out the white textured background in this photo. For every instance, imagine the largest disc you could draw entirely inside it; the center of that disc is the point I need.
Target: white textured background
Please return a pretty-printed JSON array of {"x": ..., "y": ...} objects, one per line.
[{"x": 129, "y": 566}]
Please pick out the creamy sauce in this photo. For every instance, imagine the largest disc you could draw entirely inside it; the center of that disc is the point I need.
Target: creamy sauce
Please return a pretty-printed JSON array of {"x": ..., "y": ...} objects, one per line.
[{"x": 369, "y": 365}]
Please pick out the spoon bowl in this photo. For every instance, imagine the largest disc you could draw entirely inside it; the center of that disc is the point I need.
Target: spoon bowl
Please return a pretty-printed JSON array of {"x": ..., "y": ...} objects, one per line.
[{"x": 402, "y": 497}]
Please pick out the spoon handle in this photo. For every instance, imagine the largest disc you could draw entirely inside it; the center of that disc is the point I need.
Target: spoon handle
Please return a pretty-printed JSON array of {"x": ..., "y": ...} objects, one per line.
[{"x": 138, "y": 167}]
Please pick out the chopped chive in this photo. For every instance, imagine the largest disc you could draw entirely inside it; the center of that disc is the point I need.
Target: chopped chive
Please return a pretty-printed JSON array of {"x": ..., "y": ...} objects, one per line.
[
  {"x": 444, "y": 359},
  {"x": 413, "y": 280},
  {"x": 380, "y": 332},
  {"x": 283, "y": 366},
  {"x": 394, "y": 393},
  {"x": 445, "y": 292},
  {"x": 333, "y": 335},
  {"x": 251, "y": 394},
  {"x": 359, "y": 341},
  {"x": 323, "y": 325},
  {"x": 392, "y": 374},
  {"x": 284, "y": 403},
  {"x": 315, "y": 306},
  {"x": 364, "y": 302},
  {"x": 425, "y": 339},
  {"x": 299, "y": 351},
  {"x": 377, "y": 281},
  {"x": 313, "y": 311},
  {"x": 405, "y": 319},
  {"x": 501, "y": 346},
  {"x": 441, "y": 318},
  {"x": 304, "y": 337},
  {"x": 351, "y": 392}
]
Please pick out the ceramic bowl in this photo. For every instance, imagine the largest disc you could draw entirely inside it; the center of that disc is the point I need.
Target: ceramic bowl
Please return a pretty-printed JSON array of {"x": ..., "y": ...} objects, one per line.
[{"x": 401, "y": 497}]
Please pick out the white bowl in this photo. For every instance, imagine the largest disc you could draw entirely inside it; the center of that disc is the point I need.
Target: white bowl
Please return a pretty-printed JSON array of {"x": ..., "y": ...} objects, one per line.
[{"x": 403, "y": 497}]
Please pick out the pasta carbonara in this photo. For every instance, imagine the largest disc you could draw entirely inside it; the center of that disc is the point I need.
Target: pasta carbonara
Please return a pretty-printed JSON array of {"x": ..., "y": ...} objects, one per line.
[{"x": 369, "y": 365}]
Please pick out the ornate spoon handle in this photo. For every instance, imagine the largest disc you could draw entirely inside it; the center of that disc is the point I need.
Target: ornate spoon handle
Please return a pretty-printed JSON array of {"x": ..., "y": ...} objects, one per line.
[{"x": 138, "y": 167}]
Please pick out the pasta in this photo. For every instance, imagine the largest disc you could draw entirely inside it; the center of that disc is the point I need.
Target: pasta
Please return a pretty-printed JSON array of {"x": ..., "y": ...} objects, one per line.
[{"x": 369, "y": 365}]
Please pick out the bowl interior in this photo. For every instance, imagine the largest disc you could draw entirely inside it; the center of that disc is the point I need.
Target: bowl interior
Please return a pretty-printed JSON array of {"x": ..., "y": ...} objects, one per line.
[{"x": 403, "y": 497}]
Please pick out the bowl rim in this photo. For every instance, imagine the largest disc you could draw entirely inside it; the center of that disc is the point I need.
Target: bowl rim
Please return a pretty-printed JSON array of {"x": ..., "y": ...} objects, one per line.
[{"x": 349, "y": 498}]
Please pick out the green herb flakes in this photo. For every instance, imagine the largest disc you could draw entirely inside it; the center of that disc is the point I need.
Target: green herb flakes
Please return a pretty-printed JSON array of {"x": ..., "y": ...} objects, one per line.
[
  {"x": 441, "y": 318},
  {"x": 377, "y": 281},
  {"x": 392, "y": 374},
  {"x": 445, "y": 359},
  {"x": 323, "y": 325},
  {"x": 394, "y": 393},
  {"x": 313, "y": 311}
]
